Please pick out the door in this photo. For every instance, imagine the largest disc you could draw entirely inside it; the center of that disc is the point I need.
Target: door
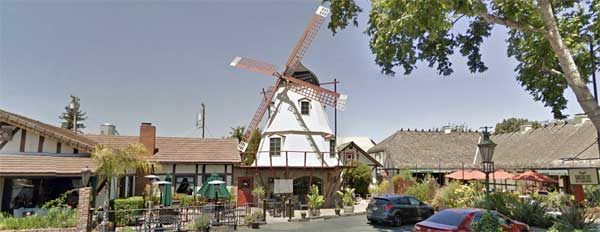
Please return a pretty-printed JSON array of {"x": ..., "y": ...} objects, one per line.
[
  {"x": 417, "y": 209},
  {"x": 245, "y": 184}
]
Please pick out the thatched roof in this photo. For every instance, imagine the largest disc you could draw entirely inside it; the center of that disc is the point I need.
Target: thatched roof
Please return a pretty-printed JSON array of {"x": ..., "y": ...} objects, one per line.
[{"x": 545, "y": 147}]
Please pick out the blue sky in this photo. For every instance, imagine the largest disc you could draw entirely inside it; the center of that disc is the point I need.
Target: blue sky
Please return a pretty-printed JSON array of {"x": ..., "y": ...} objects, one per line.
[{"x": 157, "y": 61}]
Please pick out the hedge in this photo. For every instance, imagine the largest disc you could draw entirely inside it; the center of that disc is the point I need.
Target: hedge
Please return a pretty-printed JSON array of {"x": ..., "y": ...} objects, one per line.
[{"x": 127, "y": 209}]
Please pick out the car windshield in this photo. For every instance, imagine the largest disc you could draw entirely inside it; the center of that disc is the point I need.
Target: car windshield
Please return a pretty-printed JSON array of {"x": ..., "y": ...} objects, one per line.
[{"x": 448, "y": 217}]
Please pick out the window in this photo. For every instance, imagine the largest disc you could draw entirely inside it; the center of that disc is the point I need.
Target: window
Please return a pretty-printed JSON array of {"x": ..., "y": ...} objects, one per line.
[
  {"x": 184, "y": 184},
  {"x": 275, "y": 146},
  {"x": 332, "y": 148},
  {"x": 402, "y": 201},
  {"x": 304, "y": 107},
  {"x": 414, "y": 202}
]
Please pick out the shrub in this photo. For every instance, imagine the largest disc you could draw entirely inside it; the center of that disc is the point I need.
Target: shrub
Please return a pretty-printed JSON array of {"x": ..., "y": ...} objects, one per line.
[
  {"x": 402, "y": 181},
  {"x": 533, "y": 213},
  {"x": 258, "y": 192},
  {"x": 555, "y": 200},
  {"x": 487, "y": 223},
  {"x": 233, "y": 193},
  {"x": 424, "y": 191},
  {"x": 126, "y": 210},
  {"x": 573, "y": 218},
  {"x": 184, "y": 199},
  {"x": 456, "y": 195},
  {"x": 55, "y": 218},
  {"x": 500, "y": 202},
  {"x": 381, "y": 188},
  {"x": 359, "y": 178},
  {"x": 593, "y": 193},
  {"x": 201, "y": 222}
]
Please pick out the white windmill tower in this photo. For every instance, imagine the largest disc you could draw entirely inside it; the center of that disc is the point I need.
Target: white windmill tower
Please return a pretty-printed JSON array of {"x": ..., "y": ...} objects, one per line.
[{"x": 297, "y": 131}]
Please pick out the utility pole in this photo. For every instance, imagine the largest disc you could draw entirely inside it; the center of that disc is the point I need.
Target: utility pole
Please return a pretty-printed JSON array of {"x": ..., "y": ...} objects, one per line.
[
  {"x": 203, "y": 119},
  {"x": 335, "y": 111},
  {"x": 74, "y": 106}
]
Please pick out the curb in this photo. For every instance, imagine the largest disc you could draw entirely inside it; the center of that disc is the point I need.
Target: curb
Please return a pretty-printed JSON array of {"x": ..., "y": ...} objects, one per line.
[{"x": 327, "y": 217}]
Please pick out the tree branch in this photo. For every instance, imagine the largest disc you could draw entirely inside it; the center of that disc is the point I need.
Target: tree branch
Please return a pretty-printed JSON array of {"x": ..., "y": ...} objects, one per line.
[
  {"x": 553, "y": 71},
  {"x": 509, "y": 23}
]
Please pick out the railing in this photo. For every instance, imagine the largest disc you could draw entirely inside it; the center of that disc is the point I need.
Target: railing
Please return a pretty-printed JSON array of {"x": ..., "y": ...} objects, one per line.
[
  {"x": 299, "y": 159},
  {"x": 176, "y": 218}
]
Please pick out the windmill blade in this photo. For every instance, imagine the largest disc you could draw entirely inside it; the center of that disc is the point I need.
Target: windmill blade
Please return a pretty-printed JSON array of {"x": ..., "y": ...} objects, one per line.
[
  {"x": 260, "y": 112},
  {"x": 317, "y": 93},
  {"x": 307, "y": 37},
  {"x": 254, "y": 65}
]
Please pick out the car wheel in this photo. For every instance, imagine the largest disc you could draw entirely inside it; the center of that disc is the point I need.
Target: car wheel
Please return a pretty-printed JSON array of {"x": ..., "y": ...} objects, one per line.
[{"x": 397, "y": 220}]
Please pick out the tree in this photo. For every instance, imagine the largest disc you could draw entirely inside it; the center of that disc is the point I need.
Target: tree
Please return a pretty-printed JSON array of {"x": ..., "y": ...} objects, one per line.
[
  {"x": 359, "y": 178},
  {"x": 546, "y": 38},
  {"x": 514, "y": 124},
  {"x": 253, "y": 147},
  {"x": 237, "y": 133},
  {"x": 71, "y": 111}
]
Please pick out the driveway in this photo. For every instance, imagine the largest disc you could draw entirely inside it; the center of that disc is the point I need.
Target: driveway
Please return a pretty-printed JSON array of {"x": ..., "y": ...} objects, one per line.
[{"x": 346, "y": 224}]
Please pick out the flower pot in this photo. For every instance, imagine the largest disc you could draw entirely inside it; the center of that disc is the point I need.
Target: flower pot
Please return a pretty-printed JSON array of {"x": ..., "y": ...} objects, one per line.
[
  {"x": 303, "y": 214},
  {"x": 315, "y": 212},
  {"x": 337, "y": 211},
  {"x": 255, "y": 225},
  {"x": 348, "y": 209}
]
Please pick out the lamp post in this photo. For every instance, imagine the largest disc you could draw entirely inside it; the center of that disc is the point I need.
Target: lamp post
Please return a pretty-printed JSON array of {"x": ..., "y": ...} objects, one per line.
[
  {"x": 486, "y": 153},
  {"x": 86, "y": 173}
]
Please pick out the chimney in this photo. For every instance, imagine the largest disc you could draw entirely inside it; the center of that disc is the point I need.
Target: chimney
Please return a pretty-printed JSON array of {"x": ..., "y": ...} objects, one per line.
[
  {"x": 447, "y": 129},
  {"x": 581, "y": 118},
  {"x": 525, "y": 127},
  {"x": 148, "y": 137}
]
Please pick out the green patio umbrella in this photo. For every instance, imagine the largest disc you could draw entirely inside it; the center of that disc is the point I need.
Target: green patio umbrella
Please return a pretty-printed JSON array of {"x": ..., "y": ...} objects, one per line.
[
  {"x": 210, "y": 192},
  {"x": 167, "y": 198}
]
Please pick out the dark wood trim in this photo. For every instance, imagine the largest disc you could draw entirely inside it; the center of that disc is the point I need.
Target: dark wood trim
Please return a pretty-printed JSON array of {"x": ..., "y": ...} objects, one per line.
[
  {"x": 23, "y": 140},
  {"x": 225, "y": 168},
  {"x": 174, "y": 168},
  {"x": 75, "y": 151},
  {"x": 203, "y": 171},
  {"x": 58, "y": 147},
  {"x": 14, "y": 132},
  {"x": 41, "y": 143},
  {"x": 196, "y": 177}
]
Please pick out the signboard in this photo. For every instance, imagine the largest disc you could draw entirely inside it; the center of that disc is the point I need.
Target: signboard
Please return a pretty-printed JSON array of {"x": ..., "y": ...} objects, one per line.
[
  {"x": 6, "y": 133},
  {"x": 583, "y": 176},
  {"x": 283, "y": 186}
]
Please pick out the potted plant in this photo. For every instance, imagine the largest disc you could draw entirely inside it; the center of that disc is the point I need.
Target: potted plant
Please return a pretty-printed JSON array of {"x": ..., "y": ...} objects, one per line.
[
  {"x": 303, "y": 214},
  {"x": 201, "y": 223},
  {"x": 254, "y": 219},
  {"x": 347, "y": 199},
  {"x": 337, "y": 208},
  {"x": 315, "y": 200}
]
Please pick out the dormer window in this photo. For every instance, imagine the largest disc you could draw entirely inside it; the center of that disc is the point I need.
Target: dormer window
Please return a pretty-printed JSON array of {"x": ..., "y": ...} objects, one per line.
[{"x": 304, "y": 107}]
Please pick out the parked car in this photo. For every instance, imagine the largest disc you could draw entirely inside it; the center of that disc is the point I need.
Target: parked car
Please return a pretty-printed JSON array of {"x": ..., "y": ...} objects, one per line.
[
  {"x": 461, "y": 219},
  {"x": 397, "y": 209}
]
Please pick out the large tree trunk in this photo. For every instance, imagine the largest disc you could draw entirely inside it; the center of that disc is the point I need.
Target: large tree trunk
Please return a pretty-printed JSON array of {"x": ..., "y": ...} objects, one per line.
[{"x": 578, "y": 85}]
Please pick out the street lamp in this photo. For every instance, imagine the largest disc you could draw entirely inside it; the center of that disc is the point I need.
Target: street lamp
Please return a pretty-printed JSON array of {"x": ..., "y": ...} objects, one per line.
[
  {"x": 86, "y": 173},
  {"x": 486, "y": 152}
]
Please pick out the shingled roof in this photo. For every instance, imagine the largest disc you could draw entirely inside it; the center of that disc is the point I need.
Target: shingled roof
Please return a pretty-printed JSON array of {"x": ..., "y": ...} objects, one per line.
[
  {"x": 65, "y": 136},
  {"x": 546, "y": 147},
  {"x": 428, "y": 149},
  {"x": 43, "y": 164},
  {"x": 180, "y": 149}
]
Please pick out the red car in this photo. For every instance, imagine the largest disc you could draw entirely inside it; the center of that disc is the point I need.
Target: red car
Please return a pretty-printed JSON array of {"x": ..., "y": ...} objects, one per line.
[{"x": 459, "y": 220}]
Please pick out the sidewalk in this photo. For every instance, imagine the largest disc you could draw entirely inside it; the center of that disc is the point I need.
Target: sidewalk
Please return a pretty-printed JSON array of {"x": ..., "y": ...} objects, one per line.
[{"x": 359, "y": 209}]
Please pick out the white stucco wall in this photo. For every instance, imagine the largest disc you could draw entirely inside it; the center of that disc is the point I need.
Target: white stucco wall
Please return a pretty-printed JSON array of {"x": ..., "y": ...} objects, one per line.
[{"x": 32, "y": 142}]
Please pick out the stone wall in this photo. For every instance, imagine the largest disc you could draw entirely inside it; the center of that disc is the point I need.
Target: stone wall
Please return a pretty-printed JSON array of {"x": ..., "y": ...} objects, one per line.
[{"x": 83, "y": 209}]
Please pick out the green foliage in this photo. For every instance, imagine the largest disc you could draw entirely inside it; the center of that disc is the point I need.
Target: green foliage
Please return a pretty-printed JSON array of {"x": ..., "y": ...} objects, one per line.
[
  {"x": 500, "y": 202},
  {"x": 424, "y": 191},
  {"x": 233, "y": 194},
  {"x": 254, "y": 217},
  {"x": 514, "y": 124},
  {"x": 533, "y": 213},
  {"x": 314, "y": 199},
  {"x": 126, "y": 210},
  {"x": 115, "y": 163},
  {"x": 347, "y": 196},
  {"x": 258, "y": 192},
  {"x": 55, "y": 218},
  {"x": 201, "y": 222},
  {"x": 359, "y": 178},
  {"x": 381, "y": 188},
  {"x": 556, "y": 199},
  {"x": 456, "y": 195},
  {"x": 60, "y": 202},
  {"x": 405, "y": 32},
  {"x": 253, "y": 147},
  {"x": 572, "y": 219},
  {"x": 184, "y": 199},
  {"x": 487, "y": 223},
  {"x": 593, "y": 193},
  {"x": 67, "y": 118},
  {"x": 237, "y": 133}
]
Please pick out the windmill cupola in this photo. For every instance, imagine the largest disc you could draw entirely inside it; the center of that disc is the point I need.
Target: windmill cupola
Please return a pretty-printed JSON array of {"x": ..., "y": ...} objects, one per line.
[{"x": 303, "y": 73}]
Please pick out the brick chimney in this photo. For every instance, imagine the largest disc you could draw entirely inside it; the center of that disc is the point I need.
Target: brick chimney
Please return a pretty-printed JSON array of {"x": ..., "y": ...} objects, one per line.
[{"x": 148, "y": 137}]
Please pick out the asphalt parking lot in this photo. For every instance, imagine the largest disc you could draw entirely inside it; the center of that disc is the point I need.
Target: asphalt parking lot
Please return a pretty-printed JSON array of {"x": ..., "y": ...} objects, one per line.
[{"x": 346, "y": 224}]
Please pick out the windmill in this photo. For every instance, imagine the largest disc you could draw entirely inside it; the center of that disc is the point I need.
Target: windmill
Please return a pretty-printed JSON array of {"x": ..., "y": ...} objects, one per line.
[{"x": 294, "y": 77}]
